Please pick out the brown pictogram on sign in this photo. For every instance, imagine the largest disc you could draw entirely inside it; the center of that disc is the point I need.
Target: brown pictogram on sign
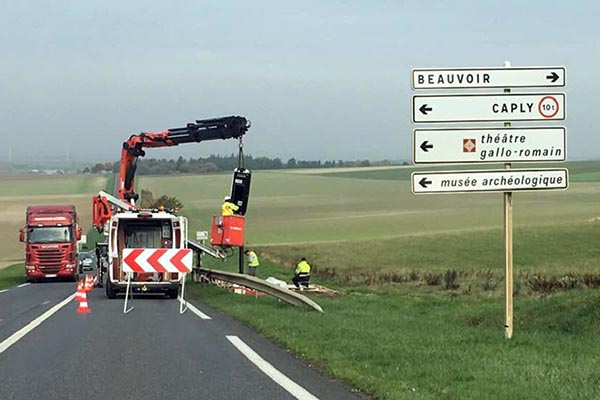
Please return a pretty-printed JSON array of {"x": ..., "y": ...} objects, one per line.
[{"x": 469, "y": 145}]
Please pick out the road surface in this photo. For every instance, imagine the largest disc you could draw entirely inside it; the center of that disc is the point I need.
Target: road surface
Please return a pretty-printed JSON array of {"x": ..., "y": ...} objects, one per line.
[{"x": 151, "y": 353}]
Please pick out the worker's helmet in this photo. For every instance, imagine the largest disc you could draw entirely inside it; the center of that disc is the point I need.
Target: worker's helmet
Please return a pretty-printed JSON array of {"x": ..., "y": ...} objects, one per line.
[{"x": 227, "y": 198}]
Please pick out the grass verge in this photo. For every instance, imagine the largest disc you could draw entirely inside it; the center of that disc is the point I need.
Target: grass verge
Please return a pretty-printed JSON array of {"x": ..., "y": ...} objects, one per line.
[
  {"x": 12, "y": 276},
  {"x": 399, "y": 344}
]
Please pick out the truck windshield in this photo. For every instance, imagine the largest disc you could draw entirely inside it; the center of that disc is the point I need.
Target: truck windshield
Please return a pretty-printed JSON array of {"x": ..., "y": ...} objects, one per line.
[{"x": 50, "y": 234}]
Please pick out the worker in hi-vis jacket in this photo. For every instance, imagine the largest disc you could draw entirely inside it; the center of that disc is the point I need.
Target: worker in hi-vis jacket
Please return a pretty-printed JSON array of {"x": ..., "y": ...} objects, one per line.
[
  {"x": 302, "y": 273},
  {"x": 228, "y": 208},
  {"x": 252, "y": 262}
]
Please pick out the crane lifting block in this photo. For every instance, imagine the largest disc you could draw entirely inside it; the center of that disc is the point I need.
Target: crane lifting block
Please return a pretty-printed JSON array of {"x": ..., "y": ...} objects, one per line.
[{"x": 227, "y": 230}]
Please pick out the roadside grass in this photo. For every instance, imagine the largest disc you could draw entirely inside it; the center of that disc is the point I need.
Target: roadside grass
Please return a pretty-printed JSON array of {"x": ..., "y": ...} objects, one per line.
[
  {"x": 397, "y": 344},
  {"x": 12, "y": 276}
]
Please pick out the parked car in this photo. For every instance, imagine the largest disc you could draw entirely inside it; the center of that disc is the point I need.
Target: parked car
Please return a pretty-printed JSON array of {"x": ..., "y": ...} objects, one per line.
[{"x": 87, "y": 264}]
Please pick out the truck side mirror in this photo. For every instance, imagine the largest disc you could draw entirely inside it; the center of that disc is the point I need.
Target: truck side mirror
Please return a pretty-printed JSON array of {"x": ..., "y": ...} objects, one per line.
[
  {"x": 78, "y": 233},
  {"x": 21, "y": 235}
]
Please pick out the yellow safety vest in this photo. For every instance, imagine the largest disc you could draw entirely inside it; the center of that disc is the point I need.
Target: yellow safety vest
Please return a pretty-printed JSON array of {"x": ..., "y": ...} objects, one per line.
[
  {"x": 228, "y": 208},
  {"x": 252, "y": 259},
  {"x": 303, "y": 268}
]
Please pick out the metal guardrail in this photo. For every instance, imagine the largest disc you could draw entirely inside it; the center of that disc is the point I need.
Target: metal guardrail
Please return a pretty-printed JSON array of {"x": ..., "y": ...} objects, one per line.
[{"x": 284, "y": 294}]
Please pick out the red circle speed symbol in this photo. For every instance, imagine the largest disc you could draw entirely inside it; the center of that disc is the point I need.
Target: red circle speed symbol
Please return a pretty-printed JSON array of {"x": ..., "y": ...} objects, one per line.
[{"x": 554, "y": 110}]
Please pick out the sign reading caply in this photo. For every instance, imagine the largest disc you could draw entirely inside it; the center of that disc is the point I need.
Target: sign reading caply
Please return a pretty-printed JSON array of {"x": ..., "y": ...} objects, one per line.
[{"x": 488, "y": 107}]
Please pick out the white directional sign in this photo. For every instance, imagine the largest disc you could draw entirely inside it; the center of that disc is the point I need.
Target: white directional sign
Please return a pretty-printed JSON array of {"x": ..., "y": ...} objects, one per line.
[
  {"x": 488, "y": 107},
  {"x": 503, "y": 180},
  {"x": 501, "y": 145},
  {"x": 473, "y": 78}
]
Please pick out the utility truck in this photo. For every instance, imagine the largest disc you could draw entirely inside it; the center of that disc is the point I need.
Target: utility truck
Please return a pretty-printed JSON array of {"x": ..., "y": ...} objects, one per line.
[
  {"x": 50, "y": 235},
  {"x": 130, "y": 229}
]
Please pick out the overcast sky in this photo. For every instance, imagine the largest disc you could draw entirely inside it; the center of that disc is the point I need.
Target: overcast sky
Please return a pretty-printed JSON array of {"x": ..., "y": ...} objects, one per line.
[{"x": 318, "y": 79}]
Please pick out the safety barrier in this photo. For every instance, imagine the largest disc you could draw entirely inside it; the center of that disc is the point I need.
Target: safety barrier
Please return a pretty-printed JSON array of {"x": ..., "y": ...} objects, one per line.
[{"x": 284, "y": 294}]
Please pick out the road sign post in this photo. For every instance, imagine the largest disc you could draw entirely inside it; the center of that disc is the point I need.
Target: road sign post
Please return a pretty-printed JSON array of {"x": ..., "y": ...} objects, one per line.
[
  {"x": 508, "y": 250},
  {"x": 490, "y": 145}
]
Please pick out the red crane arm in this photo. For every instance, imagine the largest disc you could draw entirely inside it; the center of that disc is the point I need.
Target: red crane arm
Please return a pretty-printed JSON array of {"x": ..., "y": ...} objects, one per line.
[{"x": 200, "y": 131}]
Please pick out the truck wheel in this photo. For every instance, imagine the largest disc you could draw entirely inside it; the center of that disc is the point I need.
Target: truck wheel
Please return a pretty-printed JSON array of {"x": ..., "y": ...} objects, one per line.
[
  {"x": 110, "y": 290},
  {"x": 173, "y": 293}
]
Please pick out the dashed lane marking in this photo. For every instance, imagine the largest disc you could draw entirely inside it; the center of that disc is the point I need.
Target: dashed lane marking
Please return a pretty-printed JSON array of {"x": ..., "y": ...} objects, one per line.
[
  {"x": 24, "y": 284},
  {"x": 289, "y": 385},
  {"x": 46, "y": 302},
  {"x": 3, "y": 290},
  {"x": 15, "y": 337}
]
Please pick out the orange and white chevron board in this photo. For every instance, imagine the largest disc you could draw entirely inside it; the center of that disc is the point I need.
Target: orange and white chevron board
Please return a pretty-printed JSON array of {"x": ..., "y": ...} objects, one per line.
[{"x": 157, "y": 260}]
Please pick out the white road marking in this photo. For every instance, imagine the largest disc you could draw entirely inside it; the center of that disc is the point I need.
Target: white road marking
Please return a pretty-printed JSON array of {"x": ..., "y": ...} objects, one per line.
[
  {"x": 3, "y": 290},
  {"x": 289, "y": 385},
  {"x": 46, "y": 302},
  {"x": 193, "y": 309},
  {"x": 15, "y": 337},
  {"x": 24, "y": 284}
]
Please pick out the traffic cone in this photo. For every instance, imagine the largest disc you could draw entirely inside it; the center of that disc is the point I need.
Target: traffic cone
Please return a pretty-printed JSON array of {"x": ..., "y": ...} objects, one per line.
[
  {"x": 80, "y": 294},
  {"x": 83, "y": 305},
  {"x": 88, "y": 283}
]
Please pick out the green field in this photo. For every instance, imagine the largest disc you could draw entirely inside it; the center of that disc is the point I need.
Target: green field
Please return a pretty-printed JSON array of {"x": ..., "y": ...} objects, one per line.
[{"x": 369, "y": 220}]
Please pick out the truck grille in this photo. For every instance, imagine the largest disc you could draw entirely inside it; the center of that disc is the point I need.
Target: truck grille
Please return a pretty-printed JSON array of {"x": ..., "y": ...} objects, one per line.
[{"x": 50, "y": 260}]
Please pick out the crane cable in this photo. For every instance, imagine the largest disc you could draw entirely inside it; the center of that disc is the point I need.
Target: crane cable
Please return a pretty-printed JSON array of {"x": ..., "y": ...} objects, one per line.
[{"x": 241, "y": 153}]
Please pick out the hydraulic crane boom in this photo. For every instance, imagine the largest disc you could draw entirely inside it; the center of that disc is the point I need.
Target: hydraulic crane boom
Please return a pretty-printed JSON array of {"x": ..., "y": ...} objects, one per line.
[{"x": 200, "y": 131}]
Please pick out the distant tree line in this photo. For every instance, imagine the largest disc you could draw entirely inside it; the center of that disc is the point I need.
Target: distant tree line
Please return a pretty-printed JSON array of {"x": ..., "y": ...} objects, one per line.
[
  {"x": 218, "y": 163},
  {"x": 166, "y": 201}
]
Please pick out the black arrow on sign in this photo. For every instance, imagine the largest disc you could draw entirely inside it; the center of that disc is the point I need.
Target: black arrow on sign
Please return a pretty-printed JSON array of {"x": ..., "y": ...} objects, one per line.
[
  {"x": 553, "y": 77},
  {"x": 424, "y": 182},
  {"x": 424, "y": 109},
  {"x": 425, "y": 146}
]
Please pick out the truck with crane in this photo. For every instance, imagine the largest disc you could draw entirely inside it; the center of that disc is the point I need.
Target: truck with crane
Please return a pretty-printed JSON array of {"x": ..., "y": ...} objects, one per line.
[
  {"x": 50, "y": 235},
  {"x": 128, "y": 226}
]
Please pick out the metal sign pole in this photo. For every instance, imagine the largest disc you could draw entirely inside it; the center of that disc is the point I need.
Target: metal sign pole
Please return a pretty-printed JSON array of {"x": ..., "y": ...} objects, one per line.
[
  {"x": 241, "y": 260},
  {"x": 508, "y": 247}
]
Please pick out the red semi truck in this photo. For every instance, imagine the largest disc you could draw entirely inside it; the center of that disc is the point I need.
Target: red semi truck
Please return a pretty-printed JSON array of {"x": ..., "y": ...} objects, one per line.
[{"x": 50, "y": 236}]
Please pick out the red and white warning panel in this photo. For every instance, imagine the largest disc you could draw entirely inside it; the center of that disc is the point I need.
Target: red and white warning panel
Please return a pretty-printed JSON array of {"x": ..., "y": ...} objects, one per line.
[{"x": 157, "y": 260}]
